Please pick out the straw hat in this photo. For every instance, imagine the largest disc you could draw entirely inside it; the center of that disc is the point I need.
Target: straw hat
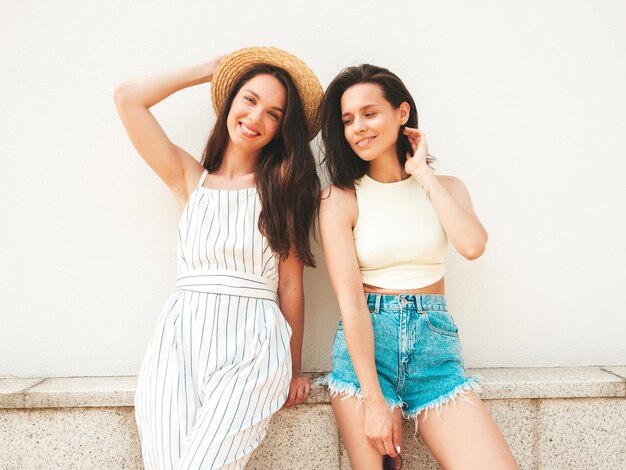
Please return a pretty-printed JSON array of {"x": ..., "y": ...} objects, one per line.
[{"x": 238, "y": 62}]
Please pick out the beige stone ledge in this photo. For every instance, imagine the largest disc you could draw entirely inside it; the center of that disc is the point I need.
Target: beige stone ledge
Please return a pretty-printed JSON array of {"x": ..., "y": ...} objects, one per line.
[
  {"x": 620, "y": 371},
  {"x": 498, "y": 383},
  {"x": 69, "y": 438},
  {"x": 550, "y": 382},
  {"x": 12, "y": 391},
  {"x": 299, "y": 438},
  {"x": 582, "y": 434},
  {"x": 70, "y": 392}
]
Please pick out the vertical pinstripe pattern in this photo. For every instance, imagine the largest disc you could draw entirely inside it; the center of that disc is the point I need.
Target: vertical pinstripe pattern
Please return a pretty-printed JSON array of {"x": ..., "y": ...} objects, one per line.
[
  {"x": 218, "y": 230},
  {"x": 219, "y": 362}
]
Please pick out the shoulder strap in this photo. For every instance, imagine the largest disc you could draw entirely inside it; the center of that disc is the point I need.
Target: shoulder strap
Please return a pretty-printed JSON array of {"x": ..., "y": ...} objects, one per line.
[{"x": 203, "y": 177}]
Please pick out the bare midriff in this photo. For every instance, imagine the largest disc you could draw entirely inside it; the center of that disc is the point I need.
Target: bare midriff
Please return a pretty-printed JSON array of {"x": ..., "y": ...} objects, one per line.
[{"x": 435, "y": 288}]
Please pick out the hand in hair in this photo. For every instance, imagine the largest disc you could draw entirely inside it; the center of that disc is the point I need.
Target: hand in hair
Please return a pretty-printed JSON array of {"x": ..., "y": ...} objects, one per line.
[{"x": 417, "y": 164}]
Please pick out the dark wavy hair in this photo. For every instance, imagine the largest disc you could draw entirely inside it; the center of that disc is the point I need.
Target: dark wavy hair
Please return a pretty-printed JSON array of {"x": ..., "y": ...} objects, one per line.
[
  {"x": 286, "y": 176},
  {"x": 343, "y": 164}
]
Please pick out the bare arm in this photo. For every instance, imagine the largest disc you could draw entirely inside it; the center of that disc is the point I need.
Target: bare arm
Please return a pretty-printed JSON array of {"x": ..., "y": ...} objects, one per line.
[
  {"x": 133, "y": 99},
  {"x": 450, "y": 200},
  {"x": 453, "y": 205},
  {"x": 291, "y": 299},
  {"x": 338, "y": 214}
]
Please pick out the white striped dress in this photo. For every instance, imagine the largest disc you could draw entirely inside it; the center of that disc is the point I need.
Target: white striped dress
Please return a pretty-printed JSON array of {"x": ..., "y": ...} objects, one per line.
[{"x": 219, "y": 363}]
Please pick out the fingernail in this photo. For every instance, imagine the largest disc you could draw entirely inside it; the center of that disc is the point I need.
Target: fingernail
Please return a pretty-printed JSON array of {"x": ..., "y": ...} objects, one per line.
[{"x": 398, "y": 449}]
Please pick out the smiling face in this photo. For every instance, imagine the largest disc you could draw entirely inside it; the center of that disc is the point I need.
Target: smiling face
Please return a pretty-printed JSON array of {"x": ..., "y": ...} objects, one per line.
[
  {"x": 370, "y": 122},
  {"x": 256, "y": 113}
]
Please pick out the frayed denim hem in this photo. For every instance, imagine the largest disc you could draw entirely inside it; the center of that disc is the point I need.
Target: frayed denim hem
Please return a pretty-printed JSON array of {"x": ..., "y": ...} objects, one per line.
[
  {"x": 472, "y": 384},
  {"x": 348, "y": 390}
]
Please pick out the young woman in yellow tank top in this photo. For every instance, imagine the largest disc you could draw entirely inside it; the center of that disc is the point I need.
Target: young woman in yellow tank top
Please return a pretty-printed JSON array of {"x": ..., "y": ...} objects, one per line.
[{"x": 385, "y": 223}]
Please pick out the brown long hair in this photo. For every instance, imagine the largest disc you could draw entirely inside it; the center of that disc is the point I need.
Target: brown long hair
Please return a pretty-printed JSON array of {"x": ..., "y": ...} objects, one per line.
[
  {"x": 286, "y": 176},
  {"x": 343, "y": 164}
]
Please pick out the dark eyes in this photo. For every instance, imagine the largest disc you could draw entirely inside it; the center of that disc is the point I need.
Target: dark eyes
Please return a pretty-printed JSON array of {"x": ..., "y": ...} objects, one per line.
[
  {"x": 252, "y": 101},
  {"x": 369, "y": 114}
]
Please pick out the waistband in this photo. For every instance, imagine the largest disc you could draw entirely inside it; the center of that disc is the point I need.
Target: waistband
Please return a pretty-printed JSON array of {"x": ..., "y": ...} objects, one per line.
[
  {"x": 395, "y": 303},
  {"x": 223, "y": 281}
]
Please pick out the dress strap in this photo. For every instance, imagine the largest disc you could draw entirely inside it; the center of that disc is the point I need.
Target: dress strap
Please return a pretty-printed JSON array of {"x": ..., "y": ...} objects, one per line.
[{"x": 203, "y": 177}]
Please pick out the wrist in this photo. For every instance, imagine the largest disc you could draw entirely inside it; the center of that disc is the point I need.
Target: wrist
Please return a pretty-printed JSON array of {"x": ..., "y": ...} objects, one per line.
[
  {"x": 425, "y": 176},
  {"x": 375, "y": 400},
  {"x": 423, "y": 172},
  {"x": 206, "y": 71},
  {"x": 209, "y": 67}
]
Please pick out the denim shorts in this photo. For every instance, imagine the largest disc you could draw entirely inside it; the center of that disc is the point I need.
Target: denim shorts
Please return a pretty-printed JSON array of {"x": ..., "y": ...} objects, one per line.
[{"x": 417, "y": 354}]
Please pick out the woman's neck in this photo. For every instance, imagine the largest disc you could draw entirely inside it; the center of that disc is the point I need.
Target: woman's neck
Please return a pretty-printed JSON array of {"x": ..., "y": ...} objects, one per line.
[
  {"x": 387, "y": 169},
  {"x": 236, "y": 163}
]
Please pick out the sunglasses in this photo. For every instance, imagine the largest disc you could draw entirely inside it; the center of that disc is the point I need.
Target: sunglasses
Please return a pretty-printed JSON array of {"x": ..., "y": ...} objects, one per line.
[{"x": 392, "y": 463}]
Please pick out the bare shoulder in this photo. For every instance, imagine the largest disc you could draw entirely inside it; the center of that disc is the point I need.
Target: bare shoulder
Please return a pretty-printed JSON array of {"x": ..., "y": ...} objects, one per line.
[
  {"x": 335, "y": 195},
  {"x": 338, "y": 202}
]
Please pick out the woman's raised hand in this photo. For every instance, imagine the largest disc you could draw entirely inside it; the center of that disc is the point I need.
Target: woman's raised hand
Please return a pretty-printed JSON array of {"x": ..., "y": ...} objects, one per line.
[
  {"x": 134, "y": 98},
  {"x": 211, "y": 66},
  {"x": 416, "y": 164}
]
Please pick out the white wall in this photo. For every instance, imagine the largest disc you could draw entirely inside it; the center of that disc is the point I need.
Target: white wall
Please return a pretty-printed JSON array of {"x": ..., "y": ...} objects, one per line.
[{"x": 525, "y": 102}]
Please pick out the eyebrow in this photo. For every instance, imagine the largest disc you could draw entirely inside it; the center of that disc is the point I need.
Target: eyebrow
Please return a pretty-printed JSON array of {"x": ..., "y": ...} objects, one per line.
[
  {"x": 362, "y": 108},
  {"x": 258, "y": 98}
]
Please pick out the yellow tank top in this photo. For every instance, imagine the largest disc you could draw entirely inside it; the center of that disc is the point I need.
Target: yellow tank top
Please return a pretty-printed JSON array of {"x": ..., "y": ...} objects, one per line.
[{"x": 400, "y": 243}]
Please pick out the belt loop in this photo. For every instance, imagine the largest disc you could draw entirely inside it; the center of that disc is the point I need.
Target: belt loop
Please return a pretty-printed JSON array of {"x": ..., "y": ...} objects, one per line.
[
  {"x": 377, "y": 304},
  {"x": 419, "y": 305}
]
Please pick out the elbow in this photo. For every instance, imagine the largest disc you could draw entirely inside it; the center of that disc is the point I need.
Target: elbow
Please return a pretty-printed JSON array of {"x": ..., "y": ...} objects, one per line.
[
  {"x": 293, "y": 290},
  {"x": 121, "y": 94},
  {"x": 473, "y": 252},
  {"x": 474, "y": 249},
  {"x": 118, "y": 95}
]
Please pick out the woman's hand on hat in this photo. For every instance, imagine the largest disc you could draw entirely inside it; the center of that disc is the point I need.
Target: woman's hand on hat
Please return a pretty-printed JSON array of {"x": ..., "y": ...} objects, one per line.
[
  {"x": 416, "y": 164},
  {"x": 211, "y": 66}
]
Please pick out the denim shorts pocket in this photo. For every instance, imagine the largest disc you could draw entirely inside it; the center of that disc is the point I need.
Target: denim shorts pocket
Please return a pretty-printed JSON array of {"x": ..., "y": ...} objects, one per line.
[{"x": 441, "y": 322}]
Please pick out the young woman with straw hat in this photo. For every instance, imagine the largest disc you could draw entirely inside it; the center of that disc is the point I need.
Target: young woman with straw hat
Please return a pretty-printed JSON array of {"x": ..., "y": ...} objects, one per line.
[
  {"x": 385, "y": 224},
  {"x": 226, "y": 351}
]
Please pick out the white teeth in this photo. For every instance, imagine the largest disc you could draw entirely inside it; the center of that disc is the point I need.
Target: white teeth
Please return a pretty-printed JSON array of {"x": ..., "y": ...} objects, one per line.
[
  {"x": 364, "y": 142},
  {"x": 247, "y": 130}
]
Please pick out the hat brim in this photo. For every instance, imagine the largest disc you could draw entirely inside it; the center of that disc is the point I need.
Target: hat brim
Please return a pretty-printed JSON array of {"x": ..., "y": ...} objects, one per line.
[{"x": 238, "y": 62}]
